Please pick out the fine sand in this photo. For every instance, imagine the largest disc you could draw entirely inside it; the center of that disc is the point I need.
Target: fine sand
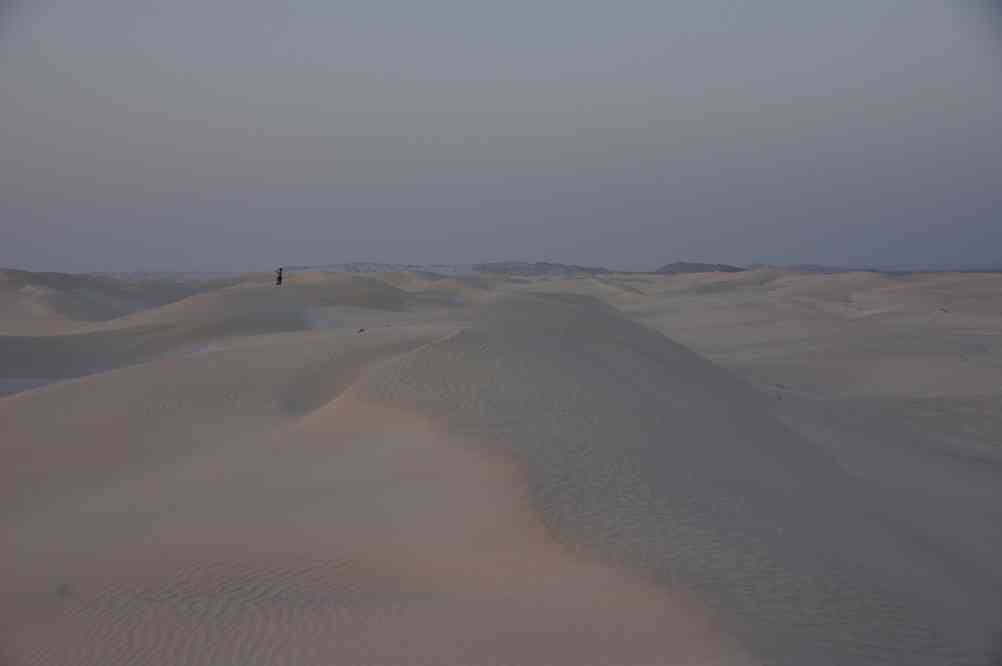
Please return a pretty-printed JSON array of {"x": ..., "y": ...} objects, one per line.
[{"x": 754, "y": 468}]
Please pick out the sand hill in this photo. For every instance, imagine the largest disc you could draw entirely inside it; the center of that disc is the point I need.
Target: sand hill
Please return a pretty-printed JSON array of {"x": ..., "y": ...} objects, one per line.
[
  {"x": 411, "y": 469},
  {"x": 39, "y": 303},
  {"x": 684, "y": 267}
]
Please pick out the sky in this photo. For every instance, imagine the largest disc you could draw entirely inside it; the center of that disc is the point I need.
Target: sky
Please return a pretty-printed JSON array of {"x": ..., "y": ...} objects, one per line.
[{"x": 245, "y": 134}]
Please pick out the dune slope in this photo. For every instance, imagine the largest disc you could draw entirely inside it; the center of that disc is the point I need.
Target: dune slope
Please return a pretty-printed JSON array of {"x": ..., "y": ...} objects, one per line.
[
  {"x": 539, "y": 480},
  {"x": 191, "y": 323},
  {"x": 252, "y": 505},
  {"x": 643, "y": 454}
]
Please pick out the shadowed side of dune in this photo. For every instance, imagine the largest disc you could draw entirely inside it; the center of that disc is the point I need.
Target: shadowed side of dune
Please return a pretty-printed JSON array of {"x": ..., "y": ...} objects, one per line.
[
  {"x": 54, "y": 357},
  {"x": 32, "y": 301},
  {"x": 647, "y": 456},
  {"x": 239, "y": 311},
  {"x": 250, "y": 507}
]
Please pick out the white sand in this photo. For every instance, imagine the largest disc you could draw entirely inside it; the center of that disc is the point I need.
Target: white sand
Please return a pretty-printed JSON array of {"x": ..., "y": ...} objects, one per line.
[{"x": 505, "y": 473}]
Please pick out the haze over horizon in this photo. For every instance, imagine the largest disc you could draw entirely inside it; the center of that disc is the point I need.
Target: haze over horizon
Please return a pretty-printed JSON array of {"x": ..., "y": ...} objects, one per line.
[{"x": 238, "y": 136}]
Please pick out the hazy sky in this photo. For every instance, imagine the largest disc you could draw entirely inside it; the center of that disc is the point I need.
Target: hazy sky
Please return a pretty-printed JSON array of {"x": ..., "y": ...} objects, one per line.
[{"x": 240, "y": 134}]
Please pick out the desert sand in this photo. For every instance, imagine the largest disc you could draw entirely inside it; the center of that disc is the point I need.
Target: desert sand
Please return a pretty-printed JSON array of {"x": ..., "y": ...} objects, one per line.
[{"x": 767, "y": 467}]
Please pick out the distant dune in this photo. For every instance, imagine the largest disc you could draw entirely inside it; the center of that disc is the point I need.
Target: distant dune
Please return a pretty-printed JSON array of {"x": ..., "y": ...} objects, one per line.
[
  {"x": 694, "y": 267},
  {"x": 765, "y": 467},
  {"x": 537, "y": 269},
  {"x": 38, "y": 302}
]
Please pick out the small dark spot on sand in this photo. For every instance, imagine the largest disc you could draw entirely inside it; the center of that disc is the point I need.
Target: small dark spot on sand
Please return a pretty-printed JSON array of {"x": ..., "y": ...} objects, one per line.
[
  {"x": 781, "y": 386},
  {"x": 66, "y": 591},
  {"x": 361, "y": 330}
]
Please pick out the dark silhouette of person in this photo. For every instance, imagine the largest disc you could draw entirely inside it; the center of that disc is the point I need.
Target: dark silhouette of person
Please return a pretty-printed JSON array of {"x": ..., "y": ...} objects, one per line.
[{"x": 278, "y": 277}]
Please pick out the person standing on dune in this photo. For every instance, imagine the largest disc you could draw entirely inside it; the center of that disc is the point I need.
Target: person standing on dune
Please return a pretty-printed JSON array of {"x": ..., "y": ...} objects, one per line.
[{"x": 278, "y": 277}]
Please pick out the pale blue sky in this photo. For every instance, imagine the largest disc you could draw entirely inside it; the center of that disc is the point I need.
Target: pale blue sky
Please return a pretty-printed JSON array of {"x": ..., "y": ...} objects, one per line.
[{"x": 233, "y": 135}]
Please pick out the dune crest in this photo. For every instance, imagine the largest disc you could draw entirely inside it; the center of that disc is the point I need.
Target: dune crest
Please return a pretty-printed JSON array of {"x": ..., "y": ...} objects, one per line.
[{"x": 353, "y": 533}]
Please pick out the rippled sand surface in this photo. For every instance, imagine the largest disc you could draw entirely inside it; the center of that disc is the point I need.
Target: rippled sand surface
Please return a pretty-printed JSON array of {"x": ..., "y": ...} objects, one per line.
[{"x": 410, "y": 470}]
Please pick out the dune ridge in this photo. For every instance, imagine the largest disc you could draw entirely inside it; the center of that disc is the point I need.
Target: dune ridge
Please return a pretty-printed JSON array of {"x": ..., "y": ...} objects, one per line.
[
  {"x": 280, "y": 534},
  {"x": 772, "y": 523},
  {"x": 405, "y": 469}
]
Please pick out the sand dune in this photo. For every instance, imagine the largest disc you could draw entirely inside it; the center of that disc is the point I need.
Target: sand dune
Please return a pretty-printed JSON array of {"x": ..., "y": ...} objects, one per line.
[
  {"x": 43, "y": 303},
  {"x": 924, "y": 347},
  {"x": 404, "y": 469},
  {"x": 254, "y": 308},
  {"x": 644, "y": 454},
  {"x": 275, "y": 516}
]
